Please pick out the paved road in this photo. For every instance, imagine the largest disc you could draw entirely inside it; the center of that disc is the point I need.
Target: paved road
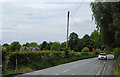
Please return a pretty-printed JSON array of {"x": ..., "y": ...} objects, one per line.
[{"x": 82, "y": 67}]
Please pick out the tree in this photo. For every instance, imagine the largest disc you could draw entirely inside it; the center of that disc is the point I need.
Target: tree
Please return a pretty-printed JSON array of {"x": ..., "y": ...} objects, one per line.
[
  {"x": 6, "y": 46},
  {"x": 63, "y": 46},
  {"x": 15, "y": 46},
  {"x": 26, "y": 45},
  {"x": 47, "y": 46},
  {"x": 55, "y": 46},
  {"x": 86, "y": 40},
  {"x": 43, "y": 45},
  {"x": 80, "y": 45},
  {"x": 96, "y": 39},
  {"x": 85, "y": 49},
  {"x": 107, "y": 18},
  {"x": 33, "y": 44},
  {"x": 73, "y": 41}
]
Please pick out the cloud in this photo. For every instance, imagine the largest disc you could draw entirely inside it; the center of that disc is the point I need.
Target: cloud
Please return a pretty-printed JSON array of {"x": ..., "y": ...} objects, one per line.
[
  {"x": 47, "y": 0},
  {"x": 39, "y": 21}
]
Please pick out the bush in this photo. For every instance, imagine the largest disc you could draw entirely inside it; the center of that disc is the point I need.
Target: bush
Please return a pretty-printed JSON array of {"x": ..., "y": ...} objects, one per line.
[
  {"x": 55, "y": 46},
  {"x": 116, "y": 52},
  {"x": 85, "y": 49},
  {"x": 97, "y": 51}
]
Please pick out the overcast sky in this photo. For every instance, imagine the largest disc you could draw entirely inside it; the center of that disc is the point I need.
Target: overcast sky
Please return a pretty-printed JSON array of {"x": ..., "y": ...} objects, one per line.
[{"x": 44, "y": 21}]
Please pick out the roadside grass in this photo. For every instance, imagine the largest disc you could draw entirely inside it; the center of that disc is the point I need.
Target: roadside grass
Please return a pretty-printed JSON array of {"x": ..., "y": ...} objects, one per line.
[
  {"x": 45, "y": 62},
  {"x": 117, "y": 72}
]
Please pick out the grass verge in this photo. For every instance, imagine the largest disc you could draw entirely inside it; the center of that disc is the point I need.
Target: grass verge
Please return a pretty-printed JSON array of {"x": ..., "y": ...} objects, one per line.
[{"x": 117, "y": 72}]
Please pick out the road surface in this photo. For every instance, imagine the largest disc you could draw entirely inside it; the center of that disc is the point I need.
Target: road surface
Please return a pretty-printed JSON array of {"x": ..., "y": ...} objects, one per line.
[{"x": 91, "y": 66}]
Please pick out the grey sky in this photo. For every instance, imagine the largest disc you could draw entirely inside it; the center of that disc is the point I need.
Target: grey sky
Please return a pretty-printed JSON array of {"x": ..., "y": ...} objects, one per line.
[{"x": 44, "y": 21}]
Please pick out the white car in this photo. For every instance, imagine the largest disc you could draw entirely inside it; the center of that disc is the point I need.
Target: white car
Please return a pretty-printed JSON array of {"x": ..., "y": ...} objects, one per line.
[
  {"x": 110, "y": 56},
  {"x": 102, "y": 56}
]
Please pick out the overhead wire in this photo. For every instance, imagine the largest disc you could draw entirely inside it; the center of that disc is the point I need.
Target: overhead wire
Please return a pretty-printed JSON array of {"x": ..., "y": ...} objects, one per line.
[
  {"x": 71, "y": 16},
  {"x": 77, "y": 8}
]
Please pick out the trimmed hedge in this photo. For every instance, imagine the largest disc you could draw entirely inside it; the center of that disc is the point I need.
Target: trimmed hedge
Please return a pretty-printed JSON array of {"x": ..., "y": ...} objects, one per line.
[
  {"x": 36, "y": 60},
  {"x": 27, "y": 58}
]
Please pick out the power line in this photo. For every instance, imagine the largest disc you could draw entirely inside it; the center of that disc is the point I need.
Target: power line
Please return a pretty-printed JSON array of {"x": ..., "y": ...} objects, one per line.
[{"x": 77, "y": 9}]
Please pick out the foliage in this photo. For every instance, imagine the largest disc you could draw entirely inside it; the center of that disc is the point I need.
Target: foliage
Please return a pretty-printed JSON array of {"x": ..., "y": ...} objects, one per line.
[
  {"x": 47, "y": 46},
  {"x": 107, "y": 18},
  {"x": 86, "y": 40},
  {"x": 27, "y": 58},
  {"x": 73, "y": 41},
  {"x": 30, "y": 60},
  {"x": 55, "y": 46},
  {"x": 97, "y": 40},
  {"x": 63, "y": 46},
  {"x": 33, "y": 44},
  {"x": 85, "y": 49},
  {"x": 43, "y": 45},
  {"x": 6, "y": 46},
  {"x": 15, "y": 46},
  {"x": 116, "y": 52},
  {"x": 117, "y": 72},
  {"x": 26, "y": 45}
]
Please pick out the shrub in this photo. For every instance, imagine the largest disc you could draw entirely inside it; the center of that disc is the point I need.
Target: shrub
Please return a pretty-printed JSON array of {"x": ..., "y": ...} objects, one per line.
[
  {"x": 116, "y": 52},
  {"x": 55, "y": 46},
  {"x": 85, "y": 49},
  {"x": 97, "y": 51}
]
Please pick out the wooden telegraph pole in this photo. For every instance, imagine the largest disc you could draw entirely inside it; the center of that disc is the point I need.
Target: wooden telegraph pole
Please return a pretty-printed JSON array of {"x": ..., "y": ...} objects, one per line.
[{"x": 67, "y": 33}]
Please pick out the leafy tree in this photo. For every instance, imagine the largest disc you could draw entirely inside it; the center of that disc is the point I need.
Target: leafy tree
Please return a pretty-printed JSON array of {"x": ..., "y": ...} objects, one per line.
[
  {"x": 86, "y": 40},
  {"x": 85, "y": 49},
  {"x": 26, "y": 45},
  {"x": 47, "y": 46},
  {"x": 15, "y": 46},
  {"x": 33, "y": 44},
  {"x": 96, "y": 38},
  {"x": 107, "y": 18},
  {"x": 6, "y": 46},
  {"x": 55, "y": 46},
  {"x": 73, "y": 41},
  {"x": 63, "y": 46},
  {"x": 43, "y": 45}
]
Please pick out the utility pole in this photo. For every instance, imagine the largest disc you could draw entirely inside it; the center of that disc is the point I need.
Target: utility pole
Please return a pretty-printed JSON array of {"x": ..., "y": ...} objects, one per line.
[{"x": 67, "y": 33}]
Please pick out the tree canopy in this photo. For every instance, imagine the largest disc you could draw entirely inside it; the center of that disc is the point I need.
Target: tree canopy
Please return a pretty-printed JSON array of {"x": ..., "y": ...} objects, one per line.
[
  {"x": 15, "y": 46},
  {"x": 55, "y": 46},
  {"x": 107, "y": 18},
  {"x": 73, "y": 41}
]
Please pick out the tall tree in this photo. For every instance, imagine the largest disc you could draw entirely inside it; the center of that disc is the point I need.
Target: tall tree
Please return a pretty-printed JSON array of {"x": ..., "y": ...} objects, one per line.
[
  {"x": 47, "y": 46},
  {"x": 107, "y": 18},
  {"x": 96, "y": 38},
  {"x": 73, "y": 41},
  {"x": 15, "y": 46},
  {"x": 6, "y": 46},
  {"x": 43, "y": 45},
  {"x": 86, "y": 40}
]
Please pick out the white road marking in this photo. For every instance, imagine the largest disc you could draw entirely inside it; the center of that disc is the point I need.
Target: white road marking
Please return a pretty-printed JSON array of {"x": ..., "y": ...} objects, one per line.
[
  {"x": 104, "y": 70},
  {"x": 102, "y": 67}
]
